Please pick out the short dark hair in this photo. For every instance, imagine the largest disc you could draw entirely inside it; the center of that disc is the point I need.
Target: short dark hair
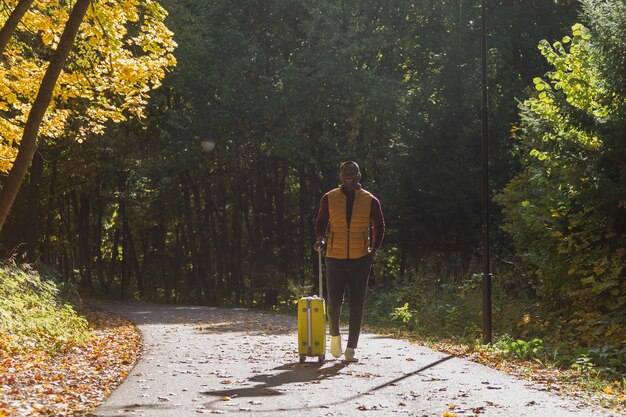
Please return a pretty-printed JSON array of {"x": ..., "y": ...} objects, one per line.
[{"x": 350, "y": 163}]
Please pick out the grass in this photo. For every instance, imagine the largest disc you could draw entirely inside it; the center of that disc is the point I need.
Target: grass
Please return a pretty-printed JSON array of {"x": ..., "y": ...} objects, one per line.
[{"x": 33, "y": 314}]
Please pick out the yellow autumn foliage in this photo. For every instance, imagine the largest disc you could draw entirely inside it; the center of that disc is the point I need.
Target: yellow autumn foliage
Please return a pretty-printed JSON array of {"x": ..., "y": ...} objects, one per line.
[{"x": 121, "y": 53}]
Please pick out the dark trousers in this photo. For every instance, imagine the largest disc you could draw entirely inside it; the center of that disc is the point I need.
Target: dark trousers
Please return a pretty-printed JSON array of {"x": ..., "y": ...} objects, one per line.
[{"x": 351, "y": 275}]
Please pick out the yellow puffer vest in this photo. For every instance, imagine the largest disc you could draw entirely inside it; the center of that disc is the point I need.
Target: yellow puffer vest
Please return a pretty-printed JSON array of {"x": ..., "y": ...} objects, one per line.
[{"x": 348, "y": 242}]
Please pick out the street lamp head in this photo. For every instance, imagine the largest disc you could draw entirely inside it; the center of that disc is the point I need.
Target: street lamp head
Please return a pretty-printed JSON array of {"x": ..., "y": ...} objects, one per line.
[{"x": 208, "y": 143}]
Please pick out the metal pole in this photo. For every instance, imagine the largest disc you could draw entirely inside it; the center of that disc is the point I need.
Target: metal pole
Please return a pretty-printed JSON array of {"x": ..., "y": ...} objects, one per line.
[
  {"x": 320, "y": 272},
  {"x": 486, "y": 307}
]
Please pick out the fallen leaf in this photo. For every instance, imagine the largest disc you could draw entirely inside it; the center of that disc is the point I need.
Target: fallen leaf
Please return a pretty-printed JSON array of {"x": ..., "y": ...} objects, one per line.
[{"x": 75, "y": 379}]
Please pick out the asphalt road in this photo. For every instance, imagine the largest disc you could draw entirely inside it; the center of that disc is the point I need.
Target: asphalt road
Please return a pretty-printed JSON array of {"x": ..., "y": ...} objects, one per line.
[{"x": 201, "y": 360}]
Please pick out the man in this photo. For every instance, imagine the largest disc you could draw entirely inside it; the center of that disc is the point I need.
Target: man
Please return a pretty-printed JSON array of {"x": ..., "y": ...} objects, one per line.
[{"x": 343, "y": 224}]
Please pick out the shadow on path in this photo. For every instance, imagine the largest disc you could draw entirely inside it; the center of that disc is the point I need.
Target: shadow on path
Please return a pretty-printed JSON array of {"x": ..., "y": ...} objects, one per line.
[
  {"x": 405, "y": 376},
  {"x": 298, "y": 373},
  {"x": 294, "y": 373}
]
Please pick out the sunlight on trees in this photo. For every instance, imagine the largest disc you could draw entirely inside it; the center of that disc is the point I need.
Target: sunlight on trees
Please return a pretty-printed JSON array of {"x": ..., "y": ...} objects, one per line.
[{"x": 121, "y": 53}]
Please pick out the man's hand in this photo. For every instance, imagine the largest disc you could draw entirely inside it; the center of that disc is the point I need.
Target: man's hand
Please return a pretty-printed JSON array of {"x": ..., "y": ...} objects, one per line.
[{"x": 319, "y": 244}]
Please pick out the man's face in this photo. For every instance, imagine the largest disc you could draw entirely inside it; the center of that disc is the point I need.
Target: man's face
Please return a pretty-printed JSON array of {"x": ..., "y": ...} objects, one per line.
[{"x": 349, "y": 177}]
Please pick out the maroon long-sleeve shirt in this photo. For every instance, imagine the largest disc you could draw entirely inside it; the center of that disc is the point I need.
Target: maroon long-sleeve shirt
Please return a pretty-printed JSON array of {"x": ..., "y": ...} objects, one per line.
[{"x": 376, "y": 216}]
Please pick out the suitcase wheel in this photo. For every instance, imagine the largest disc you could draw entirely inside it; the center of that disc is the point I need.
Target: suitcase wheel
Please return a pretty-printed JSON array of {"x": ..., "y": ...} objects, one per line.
[
  {"x": 320, "y": 358},
  {"x": 302, "y": 358}
]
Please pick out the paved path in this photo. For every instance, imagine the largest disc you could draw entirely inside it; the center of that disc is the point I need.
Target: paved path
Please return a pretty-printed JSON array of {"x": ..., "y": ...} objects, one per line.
[{"x": 201, "y": 360}]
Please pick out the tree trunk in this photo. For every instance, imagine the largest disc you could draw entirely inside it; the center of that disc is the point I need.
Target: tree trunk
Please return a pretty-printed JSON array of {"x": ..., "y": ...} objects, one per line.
[
  {"x": 302, "y": 223},
  {"x": 28, "y": 145},
  {"x": 134, "y": 262},
  {"x": 66, "y": 234},
  {"x": 124, "y": 249},
  {"x": 31, "y": 226},
  {"x": 163, "y": 255},
  {"x": 84, "y": 249},
  {"x": 191, "y": 240},
  {"x": 97, "y": 240},
  {"x": 64, "y": 261},
  {"x": 114, "y": 254},
  {"x": 11, "y": 24},
  {"x": 204, "y": 260},
  {"x": 193, "y": 276},
  {"x": 282, "y": 171},
  {"x": 224, "y": 246},
  {"x": 218, "y": 276},
  {"x": 179, "y": 259},
  {"x": 47, "y": 250},
  {"x": 236, "y": 266}
]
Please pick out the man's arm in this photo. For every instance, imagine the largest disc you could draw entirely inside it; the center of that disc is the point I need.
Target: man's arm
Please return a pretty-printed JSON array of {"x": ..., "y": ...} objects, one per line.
[
  {"x": 378, "y": 225},
  {"x": 321, "y": 223}
]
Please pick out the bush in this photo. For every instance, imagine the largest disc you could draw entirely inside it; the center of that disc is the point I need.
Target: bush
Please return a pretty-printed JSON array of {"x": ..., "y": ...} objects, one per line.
[
  {"x": 565, "y": 210},
  {"x": 33, "y": 315}
]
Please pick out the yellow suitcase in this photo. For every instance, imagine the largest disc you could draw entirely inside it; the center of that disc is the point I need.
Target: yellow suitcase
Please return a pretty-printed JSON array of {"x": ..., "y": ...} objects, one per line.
[{"x": 312, "y": 324}]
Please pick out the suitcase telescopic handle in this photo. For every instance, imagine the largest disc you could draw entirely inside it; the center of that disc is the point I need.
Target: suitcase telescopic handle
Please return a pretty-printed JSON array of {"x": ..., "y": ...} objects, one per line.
[{"x": 320, "y": 270}]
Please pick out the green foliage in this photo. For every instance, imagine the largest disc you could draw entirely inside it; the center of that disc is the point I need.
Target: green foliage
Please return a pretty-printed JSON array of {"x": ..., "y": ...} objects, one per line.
[
  {"x": 560, "y": 210},
  {"x": 605, "y": 361},
  {"x": 33, "y": 315},
  {"x": 610, "y": 356},
  {"x": 402, "y": 314},
  {"x": 450, "y": 311},
  {"x": 584, "y": 364},
  {"x": 446, "y": 310},
  {"x": 522, "y": 349},
  {"x": 287, "y": 89},
  {"x": 507, "y": 346},
  {"x": 289, "y": 296}
]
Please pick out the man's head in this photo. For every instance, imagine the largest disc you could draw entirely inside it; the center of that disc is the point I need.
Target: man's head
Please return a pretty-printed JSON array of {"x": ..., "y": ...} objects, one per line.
[{"x": 349, "y": 175}]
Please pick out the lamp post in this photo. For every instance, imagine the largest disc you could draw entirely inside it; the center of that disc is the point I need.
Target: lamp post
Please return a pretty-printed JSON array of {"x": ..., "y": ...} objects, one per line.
[{"x": 486, "y": 302}]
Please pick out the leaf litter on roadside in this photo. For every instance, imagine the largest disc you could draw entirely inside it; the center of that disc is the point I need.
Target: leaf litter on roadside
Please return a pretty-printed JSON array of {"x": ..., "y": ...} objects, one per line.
[{"x": 74, "y": 380}]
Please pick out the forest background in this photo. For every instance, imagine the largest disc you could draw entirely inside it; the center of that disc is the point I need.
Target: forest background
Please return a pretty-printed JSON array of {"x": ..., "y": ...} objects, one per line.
[{"x": 121, "y": 200}]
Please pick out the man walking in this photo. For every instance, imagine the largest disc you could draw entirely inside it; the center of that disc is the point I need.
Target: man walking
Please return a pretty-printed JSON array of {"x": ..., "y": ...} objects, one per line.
[{"x": 344, "y": 220}]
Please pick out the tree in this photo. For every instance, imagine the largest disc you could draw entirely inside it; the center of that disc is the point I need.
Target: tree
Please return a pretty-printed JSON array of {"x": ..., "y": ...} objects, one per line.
[
  {"x": 563, "y": 209},
  {"x": 28, "y": 144},
  {"x": 288, "y": 89},
  {"x": 11, "y": 24},
  {"x": 120, "y": 56}
]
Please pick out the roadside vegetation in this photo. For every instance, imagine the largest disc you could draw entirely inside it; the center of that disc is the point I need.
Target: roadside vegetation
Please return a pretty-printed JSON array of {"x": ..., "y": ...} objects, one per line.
[
  {"x": 55, "y": 358},
  {"x": 35, "y": 313},
  {"x": 526, "y": 342}
]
